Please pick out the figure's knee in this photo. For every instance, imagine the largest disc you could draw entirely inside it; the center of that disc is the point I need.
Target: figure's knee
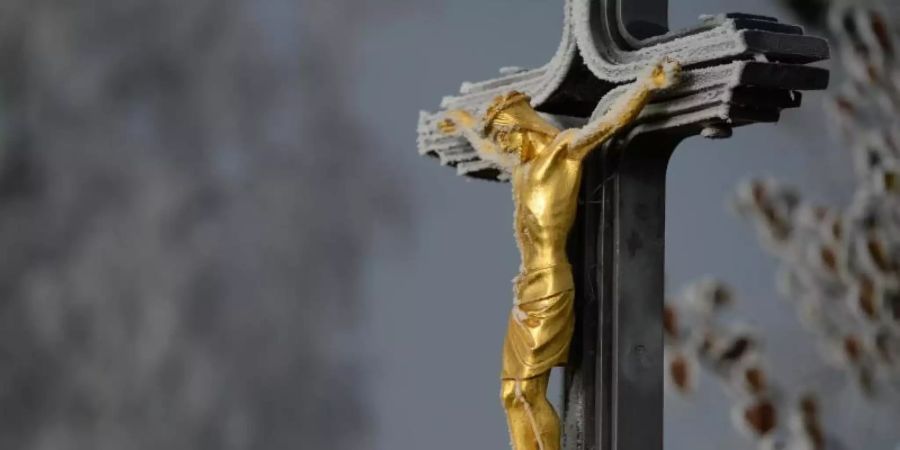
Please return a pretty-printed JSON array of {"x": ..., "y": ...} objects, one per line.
[
  {"x": 534, "y": 389},
  {"x": 508, "y": 393},
  {"x": 531, "y": 391}
]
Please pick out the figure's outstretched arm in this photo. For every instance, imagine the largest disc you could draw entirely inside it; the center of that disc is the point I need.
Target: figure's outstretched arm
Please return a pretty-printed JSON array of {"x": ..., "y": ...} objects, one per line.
[
  {"x": 625, "y": 109},
  {"x": 460, "y": 122}
]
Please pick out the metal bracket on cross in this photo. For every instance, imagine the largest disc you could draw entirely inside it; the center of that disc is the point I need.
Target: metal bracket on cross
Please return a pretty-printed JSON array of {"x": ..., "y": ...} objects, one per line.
[{"x": 740, "y": 69}]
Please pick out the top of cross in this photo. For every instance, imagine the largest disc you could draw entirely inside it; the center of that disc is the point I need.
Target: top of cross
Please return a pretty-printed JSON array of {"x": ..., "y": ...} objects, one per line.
[{"x": 741, "y": 69}]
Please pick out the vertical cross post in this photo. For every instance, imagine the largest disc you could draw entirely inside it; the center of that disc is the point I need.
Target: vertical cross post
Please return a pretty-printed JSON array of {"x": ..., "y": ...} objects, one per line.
[
  {"x": 613, "y": 384},
  {"x": 614, "y": 381},
  {"x": 741, "y": 69}
]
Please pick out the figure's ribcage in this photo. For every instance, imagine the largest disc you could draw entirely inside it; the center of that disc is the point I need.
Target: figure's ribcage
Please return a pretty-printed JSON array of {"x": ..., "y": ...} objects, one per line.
[{"x": 741, "y": 69}]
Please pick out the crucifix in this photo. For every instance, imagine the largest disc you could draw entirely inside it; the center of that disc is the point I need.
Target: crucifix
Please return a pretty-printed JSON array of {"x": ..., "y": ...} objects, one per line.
[{"x": 585, "y": 141}]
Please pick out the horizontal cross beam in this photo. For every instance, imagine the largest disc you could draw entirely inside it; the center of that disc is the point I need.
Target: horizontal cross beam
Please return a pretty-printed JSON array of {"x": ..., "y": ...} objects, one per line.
[{"x": 741, "y": 69}]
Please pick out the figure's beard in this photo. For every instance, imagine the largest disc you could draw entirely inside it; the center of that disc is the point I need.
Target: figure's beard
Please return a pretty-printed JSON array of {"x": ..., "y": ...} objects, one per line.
[{"x": 507, "y": 161}]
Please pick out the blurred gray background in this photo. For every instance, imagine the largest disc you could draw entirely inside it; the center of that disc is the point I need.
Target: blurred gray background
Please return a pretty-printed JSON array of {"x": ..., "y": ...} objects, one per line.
[{"x": 215, "y": 232}]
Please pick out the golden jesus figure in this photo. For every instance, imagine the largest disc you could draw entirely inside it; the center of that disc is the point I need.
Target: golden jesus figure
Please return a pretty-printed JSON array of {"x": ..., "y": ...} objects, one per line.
[{"x": 545, "y": 168}]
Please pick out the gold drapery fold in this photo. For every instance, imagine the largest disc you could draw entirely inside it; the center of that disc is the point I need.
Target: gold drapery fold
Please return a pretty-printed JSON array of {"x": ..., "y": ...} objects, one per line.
[{"x": 541, "y": 323}]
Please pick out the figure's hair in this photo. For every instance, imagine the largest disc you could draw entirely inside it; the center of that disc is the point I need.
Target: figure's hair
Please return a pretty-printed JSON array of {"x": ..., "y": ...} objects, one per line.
[
  {"x": 502, "y": 103},
  {"x": 526, "y": 118}
]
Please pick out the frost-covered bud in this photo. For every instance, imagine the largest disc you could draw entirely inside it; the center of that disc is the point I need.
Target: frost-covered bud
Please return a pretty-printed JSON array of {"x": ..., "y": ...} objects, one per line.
[
  {"x": 671, "y": 323},
  {"x": 728, "y": 352},
  {"x": 863, "y": 299},
  {"x": 886, "y": 347},
  {"x": 749, "y": 380},
  {"x": 886, "y": 180},
  {"x": 756, "y": 418},
  {"x": 827, "y": 260},
  {"x": 853, "y": 350},
  {"x": 770, "y": 206},
  {"x": 806, "y": 429},
  {"x": 808, "y": 407},
  {"x": 847, "y": 351},
  {"x": 866, "y": 381},
  {"x": 707, "y": 297},
  {"x": 833, "y": 229},
  {"x": 890, "y": 304},
  {"x": 844, "y": 107},
  {"x": 875, "y": 254},
  {"x": 707, "y": 342},
  {"x": 681, "y": 371},
  {"x": 743, "y": 201},
  {"x": 865, "y": 213},
  {"x": 871, "y": 152}
]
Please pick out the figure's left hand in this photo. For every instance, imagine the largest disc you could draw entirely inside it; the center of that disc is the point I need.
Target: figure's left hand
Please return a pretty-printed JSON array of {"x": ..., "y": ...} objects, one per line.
[{"x": 665, "y": 74}]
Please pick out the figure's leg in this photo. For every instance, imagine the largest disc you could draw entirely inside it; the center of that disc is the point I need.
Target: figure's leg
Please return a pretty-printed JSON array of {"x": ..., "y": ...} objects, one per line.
[{"x": 533, "y": 423}]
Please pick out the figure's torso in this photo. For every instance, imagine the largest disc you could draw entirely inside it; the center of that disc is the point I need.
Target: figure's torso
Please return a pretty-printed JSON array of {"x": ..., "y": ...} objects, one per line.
[{"x": 545, "y": 191}]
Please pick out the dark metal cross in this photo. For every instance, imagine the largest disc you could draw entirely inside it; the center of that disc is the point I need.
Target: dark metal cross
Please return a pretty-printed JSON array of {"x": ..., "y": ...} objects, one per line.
[{"x": 741, "y": 69}]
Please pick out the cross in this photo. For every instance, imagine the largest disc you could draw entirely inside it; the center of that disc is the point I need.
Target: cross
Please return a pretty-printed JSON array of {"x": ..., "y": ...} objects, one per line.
[{"x": 740, "y": 69}]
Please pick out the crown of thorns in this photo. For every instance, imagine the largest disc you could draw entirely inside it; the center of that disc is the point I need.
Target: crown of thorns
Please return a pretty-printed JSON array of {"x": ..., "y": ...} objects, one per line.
[{"x": 500, "y": 104}]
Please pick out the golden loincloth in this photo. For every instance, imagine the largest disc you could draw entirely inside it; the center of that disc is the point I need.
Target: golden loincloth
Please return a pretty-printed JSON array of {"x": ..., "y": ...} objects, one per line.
[{"x": 541, "y": 323}]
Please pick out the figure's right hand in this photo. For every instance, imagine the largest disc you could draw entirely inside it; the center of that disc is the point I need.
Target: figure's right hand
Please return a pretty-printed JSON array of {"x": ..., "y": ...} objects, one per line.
[
  {"x": 447, "y": 126},
  {"x": 454, "y": 120}
]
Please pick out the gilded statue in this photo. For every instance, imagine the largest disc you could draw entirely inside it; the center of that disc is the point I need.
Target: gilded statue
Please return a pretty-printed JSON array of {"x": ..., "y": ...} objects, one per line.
[{"x": 545, "y": 165}]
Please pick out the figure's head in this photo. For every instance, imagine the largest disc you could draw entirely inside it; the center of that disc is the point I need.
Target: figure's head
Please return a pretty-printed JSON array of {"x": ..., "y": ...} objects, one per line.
[{"x": 514, "y": 126}]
